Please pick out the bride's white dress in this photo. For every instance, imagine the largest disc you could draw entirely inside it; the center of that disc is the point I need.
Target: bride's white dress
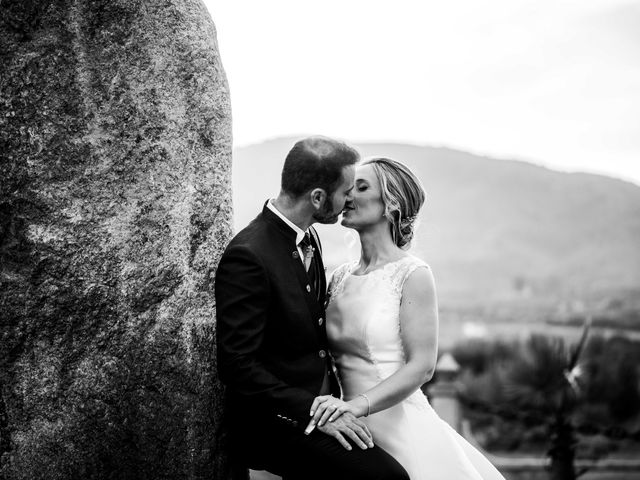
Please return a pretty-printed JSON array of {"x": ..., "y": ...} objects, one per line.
[{"x": 364, "y": 337}]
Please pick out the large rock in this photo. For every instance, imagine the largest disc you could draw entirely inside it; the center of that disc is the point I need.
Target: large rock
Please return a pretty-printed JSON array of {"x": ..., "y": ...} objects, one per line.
[{"x": 115, "y": 137}]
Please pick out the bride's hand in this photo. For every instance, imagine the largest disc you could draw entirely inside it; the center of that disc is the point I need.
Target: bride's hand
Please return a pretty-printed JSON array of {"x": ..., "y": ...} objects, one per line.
[{"x": 327, "y": 407}]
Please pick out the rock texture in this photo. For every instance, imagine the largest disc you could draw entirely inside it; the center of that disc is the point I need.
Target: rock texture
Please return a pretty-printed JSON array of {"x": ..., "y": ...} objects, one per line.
[{"x": 115, "y": 144}]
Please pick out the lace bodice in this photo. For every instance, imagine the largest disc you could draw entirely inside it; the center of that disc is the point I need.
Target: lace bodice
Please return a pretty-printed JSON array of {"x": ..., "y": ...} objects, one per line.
[
  {"x": 394, "y": 273},
  {"x": 363, "y": 322}
]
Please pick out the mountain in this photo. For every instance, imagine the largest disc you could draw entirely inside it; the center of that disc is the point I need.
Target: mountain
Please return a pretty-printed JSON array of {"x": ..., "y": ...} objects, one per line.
[{"x": 492, "y": 230}]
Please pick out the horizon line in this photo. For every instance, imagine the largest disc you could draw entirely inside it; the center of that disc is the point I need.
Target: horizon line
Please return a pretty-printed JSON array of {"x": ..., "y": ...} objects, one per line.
[{"x": 477, "y": 153}]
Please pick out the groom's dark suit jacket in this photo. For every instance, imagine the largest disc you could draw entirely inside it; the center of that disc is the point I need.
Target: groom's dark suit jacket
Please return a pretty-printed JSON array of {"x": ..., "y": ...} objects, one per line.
[{"x": 272, "y": 342}]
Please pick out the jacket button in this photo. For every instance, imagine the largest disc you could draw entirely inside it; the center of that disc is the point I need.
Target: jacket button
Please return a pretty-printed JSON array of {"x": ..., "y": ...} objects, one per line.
[
  {"x": 322, "y": 354},
  {"x": 308, "y": 288},
  {"x": 320, "y": 320},
  {"x": 295, "y": 254}
]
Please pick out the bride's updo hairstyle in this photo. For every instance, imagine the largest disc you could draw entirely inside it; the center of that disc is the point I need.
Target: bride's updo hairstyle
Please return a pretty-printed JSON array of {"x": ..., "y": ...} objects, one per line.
[{"x": 402, "y": 196}]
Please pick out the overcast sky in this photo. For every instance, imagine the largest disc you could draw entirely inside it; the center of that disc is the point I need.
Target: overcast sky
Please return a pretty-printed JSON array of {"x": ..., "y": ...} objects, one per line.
[{"x": 556, "y": 82}]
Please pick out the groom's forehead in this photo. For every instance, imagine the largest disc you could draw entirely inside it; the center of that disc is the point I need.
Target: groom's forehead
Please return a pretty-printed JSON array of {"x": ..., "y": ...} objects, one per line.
[{"x": 348, "y": 174}]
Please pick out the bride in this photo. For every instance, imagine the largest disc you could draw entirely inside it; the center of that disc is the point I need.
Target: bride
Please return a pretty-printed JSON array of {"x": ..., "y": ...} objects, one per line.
[{"x": 382, "y": 324}]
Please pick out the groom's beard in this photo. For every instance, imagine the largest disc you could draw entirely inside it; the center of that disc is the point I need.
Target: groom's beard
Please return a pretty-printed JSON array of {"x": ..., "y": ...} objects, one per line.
[{"x": 326, "y": 214}]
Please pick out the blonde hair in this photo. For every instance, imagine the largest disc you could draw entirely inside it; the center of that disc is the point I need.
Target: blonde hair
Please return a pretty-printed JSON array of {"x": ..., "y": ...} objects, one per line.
[{"x": 402, "y": 195}]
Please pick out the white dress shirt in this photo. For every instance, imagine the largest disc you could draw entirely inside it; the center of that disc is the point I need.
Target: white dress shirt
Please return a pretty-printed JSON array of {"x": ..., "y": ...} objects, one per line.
[{"x": 299, "y": 232}]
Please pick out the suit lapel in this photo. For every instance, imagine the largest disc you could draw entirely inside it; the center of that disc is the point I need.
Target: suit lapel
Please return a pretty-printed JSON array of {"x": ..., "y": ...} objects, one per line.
[
  {"x": 305, "y": 286},
  {"x": 289, "y": 246}
]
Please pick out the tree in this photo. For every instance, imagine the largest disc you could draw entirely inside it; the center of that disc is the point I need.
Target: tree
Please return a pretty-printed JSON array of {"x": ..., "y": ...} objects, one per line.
[{"x": 546, "y": 379}]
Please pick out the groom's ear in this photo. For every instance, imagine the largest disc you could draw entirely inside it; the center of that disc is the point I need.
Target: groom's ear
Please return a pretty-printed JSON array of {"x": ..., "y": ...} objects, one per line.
[{"x": 317, "y": 197}]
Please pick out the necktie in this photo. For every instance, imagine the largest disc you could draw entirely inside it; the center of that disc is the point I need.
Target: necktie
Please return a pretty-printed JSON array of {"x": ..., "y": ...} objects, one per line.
[{"x": 308, "y": 253}]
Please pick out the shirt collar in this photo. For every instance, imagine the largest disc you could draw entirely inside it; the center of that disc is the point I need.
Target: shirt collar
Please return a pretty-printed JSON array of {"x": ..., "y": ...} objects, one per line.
[{"x": 294, "y": 227}]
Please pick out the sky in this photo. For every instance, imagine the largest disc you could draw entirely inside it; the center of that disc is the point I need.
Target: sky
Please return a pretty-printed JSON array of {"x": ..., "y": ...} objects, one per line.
[{"x": 553, "y": 82}]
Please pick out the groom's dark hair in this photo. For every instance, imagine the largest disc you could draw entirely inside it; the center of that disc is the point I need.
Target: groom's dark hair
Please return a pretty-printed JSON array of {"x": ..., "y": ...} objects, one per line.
[{"x": 316, "y": 162}]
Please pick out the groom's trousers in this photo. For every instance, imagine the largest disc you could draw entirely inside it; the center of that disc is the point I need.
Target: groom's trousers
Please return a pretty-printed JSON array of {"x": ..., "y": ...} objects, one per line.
[{"x": 294, "y": 456}]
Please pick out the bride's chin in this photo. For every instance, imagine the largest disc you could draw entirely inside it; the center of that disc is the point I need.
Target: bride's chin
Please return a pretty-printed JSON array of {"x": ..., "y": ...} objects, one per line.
[{"x": 345, "y": 222}]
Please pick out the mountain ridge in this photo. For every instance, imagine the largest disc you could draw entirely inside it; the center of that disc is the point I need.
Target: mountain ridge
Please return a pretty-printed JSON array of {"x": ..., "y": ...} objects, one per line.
[{"x": 491, "y": 228}]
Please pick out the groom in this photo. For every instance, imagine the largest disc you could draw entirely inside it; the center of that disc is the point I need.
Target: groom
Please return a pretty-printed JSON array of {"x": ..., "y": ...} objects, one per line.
[{"x": 272, "y": 343}]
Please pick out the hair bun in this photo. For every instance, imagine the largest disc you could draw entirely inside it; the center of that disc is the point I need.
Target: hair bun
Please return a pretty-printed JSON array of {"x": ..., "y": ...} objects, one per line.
[{"x": 406, "y": 230}]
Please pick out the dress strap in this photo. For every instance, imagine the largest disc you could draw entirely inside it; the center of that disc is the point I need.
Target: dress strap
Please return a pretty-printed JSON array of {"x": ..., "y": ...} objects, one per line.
[{"x": 403, "y": 269}]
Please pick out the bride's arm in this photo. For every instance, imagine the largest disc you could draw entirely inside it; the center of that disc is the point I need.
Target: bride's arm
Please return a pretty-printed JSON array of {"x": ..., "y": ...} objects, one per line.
[{"x": 419, "y": 333}]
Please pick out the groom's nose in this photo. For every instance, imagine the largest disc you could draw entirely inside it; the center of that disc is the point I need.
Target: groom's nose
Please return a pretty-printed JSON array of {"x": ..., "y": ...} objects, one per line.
[{"x": 349, "y": 198}]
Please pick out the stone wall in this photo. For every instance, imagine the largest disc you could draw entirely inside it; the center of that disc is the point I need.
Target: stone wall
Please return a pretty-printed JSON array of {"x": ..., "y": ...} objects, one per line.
[{"x": 115, "y": 144}]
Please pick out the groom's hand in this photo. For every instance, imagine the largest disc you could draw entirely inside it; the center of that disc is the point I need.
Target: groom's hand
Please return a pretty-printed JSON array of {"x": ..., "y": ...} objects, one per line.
[{"x": 347, "y": 426}]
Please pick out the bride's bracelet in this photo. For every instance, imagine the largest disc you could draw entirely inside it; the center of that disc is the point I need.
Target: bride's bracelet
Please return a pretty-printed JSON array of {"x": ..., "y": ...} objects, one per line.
[{"x": 368, "y": 403}]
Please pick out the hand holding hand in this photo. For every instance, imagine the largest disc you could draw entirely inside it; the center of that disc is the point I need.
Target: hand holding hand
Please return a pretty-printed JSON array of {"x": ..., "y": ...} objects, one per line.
[
  {"x": 326, "y": 408},
  {"x": 347, "y": 426}
]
